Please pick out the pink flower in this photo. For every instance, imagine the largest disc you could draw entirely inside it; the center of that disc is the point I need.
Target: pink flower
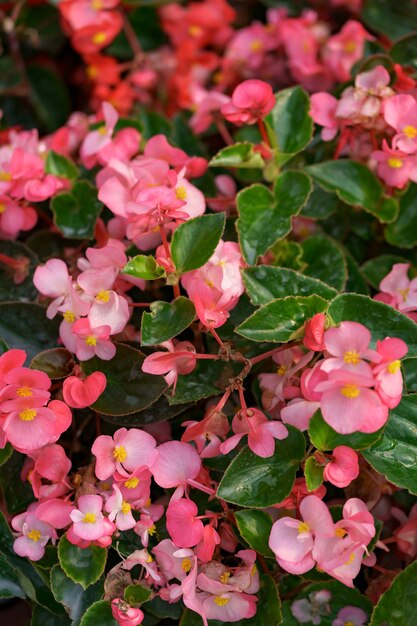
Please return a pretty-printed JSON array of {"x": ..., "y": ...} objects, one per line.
[
  {"x": 88, "y": 520},
  {"x": 34, "y": 536},
  {"x": 126, "y": 451},
  {"x": 343, "y": 467},
  {"x": 389, "y": 380},
  {"x": 348, "y": 346},
  {"x": 396, "y": 168},
  {"x": 49, "y": 474},
  {"x": 126, "y": 615},
  {"x": 179, "y": 360},
  {"x": 400, "y": 112},
  {"x": 261, "y": 432},
  {"x": 323, "y": 112},
  {"x": 186, "y": 531},
  {"x": 314, "y": 333},
  {"x": 207, "y": 104},
  {"x": 175, "y": 464},
  {"x": 22, "y": 383},
  {"x": 52, "y": 280},
  {"x": 92, "y": 341},
  {"x": 398, "y": 290},
  {"x": 80, "y": 393},
  {"x": 10, "y": 360},
  {"x": 341, "y": 51},
  {"x": 351, "y": 615},
  {"x": 252, "y": 100},
  {"x": 120, "y": 511}
]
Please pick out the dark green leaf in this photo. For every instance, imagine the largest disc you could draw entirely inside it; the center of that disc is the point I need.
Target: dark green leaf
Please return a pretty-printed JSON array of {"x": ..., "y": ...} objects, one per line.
[
  {"x": 159, "y": 411},
  {"x": 313, "y": 473},
  {"x": 83, "y": 566},
  {"x": 377, "y": 268},
  {"x": 403, "y": 232},
  {"x": 325, "y": 261},
  {"x": 42, "y": 617},
  {"x": 128, "y": 389},
  {"x": 24, "y": 325},
  {"x": 238, "y": 155},
  {"x": 49, "y": 96},
  {"x": 404, "y": 51},
  {"x": 58, "y": 165},
  {"x": 265, "y": 283},
  {"x": 76, "y": 212},
  {"x": 409, "y": 367},
  {"x": 144, "y": 266},
  {"x": 24, "y": 290},
  {"x": 395, "y": 454},
  {"x": 5, "y": 453},
  {"x": 147, "y": 28},
  {"x": 291, "y": 122},
  {"x": 58, "y": 363},
  {"x": 390, "y": 17},
  {"x": 269, "y": 611},
  {"x": 253, "y": 481},
  {"x": 10, "y": 586},
  {"x": 255, "y": 527},
  {"x": 194, "y": 242},
  {"x": 397, "y": 606},
  {"x": 208, "y": 379},
  {"x": 281, "y": 319},
  {"x": 321, "y": 204},
  {"x": 356, "y": 281},
  {"x": 323, "y": 437},
  {"x": 98, "y": 614},
  {"x": 265, "y": 217},
  {"x": 137, "y": 594},
  {"x": 72, "y": 596},
  {"x": 17, "y": 494},
  {"x": 166, "y": 320}
]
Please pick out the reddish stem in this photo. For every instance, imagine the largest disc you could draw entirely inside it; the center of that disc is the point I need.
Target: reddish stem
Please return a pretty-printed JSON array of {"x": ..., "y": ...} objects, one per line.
[
  {"x": 165, "y": 243},
  {"x": 266, "y": 355},
  {"x": 216, "y": 336},
  {"x": 221, "y": 127},
  {"x": 264, "y": 132}
]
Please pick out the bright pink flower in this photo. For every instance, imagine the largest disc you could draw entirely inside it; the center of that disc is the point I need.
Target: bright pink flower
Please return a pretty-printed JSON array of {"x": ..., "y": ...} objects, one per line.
[
  {"x": 179, "y": 360},
  {"x": 343, "y": 50},
  {"x": 49, "y": 475},
  {"x": 10, "y": 360},
  {"x": 23, "y": 383},
  {"x": 175, "y": 464},
  {"x": 55, "y": 511},
  {"x": 401, "y": 291},
  {"x": 120, "y": 511},
  {"x": 88, "y": 519},
  {"x": 207, "y": 433},
  {"x": 52, "y": 280},
  {"x": 126, "y": 451},
  {"x": 347, "y": 345},
  {"x": 323, "y": 112},
  {"x": 186, "y": 531},
  {"x": 252, "y": 100},
  {"x": 204, "y": 550},
  {"x": 357, "y": 522},
  {"x": 343, "y": 467},
  {"x": 32, "y": 427},
  {"x": 298, "y": 493},
  {"x": 314, "y": 333},
  {"x": 157, "y": 147},
  {"x": 261, "y": 432},
  {"x": 34, "y": 536},
  {"x": 206, "y": 104},
  {"x": 400, "y": 112},
  {"x": 174, "y": 563},
  {"x": 396, "y": 168},
  {"x": 80, "y": 393},
  {"x": 299, "y": 411},
  {"x": 92, "y": 341},
  {"x": 14, "y": 218},
  {"x": 389, "y": 380},
  {"x": 126, "y": 615}
]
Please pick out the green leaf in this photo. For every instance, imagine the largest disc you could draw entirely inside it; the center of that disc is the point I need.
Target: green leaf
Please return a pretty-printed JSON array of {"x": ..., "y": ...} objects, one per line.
[
  {"x": 9, "y": 581},
  {"x": 166, "y": 320},
  {"x": 325, "y": 261},
  {"x": 61, "y": 166},
  {"x": 147, "y": 28},
  {"x": 49, "y": 96},
  {"x": 313, "y": 473},
  {"x": 403, "y": 232},
  {"x": 397, "y": 606},
  {"x": 323, "y": 437},
  {"x": 41, "y": 616},
  {"x": 162, "y": 609},
  {"x": 137, "y": 594},
  {"x": 255, "y": 527},
  {"x": 238, "y": 155},
  {"x": 356, "y": 281},
  {"x": 265, "y": 217},
  {"x": 208, "y": 379},
  {"x": 24, "y": 325},
  {"x": 265, "y": 283},
  {"x": 321, "y": 204},
  {"x": 253, "y": 481},
  {"x": 58, "y": 363},
  {"x": 280, "y": 320},
  {"x": 5, "y": 453},
  {"x": 382, "y": 320},
  {"x": 17, "y": 494},
  {"x": 395, "y": 454},
  {"x": 409, "y": 367},
  {"x": 355, "y": 184},
  {"x": 25, "y": 290},
  {"x": 377, "y": 268},
  {"x": 404, "y": 51},
  {"x": 194, "y": 242},
  {"x": 99, "y": 614},
  {"x": 76, "y": 212},
  {"x": 290, "y": 122},
  {"x": 72, "y": 596},
  {"x": 82, "y": 565},
  {"x": 390, "y": 17},
  {"x": 144, "y": 266},
  {"x": 128, "y": 389}
]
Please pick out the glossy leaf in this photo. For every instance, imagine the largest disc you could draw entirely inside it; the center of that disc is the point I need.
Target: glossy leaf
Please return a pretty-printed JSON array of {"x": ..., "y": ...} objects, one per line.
[
  {"x": 313, "y": 473},
  {"x": 397, "y": 606},
  {"x": 144, "y": 266},
  {"x": 72, "y": 596},
  {"x": 265, "y": 216},
  {"x": 321, "y": 204},
  {"x": 97, "y": 614},
  {"x": 58, "y": 363},
  {"x": 5, "y": 453},
  {"x": 323, "y": 437},
  {"x": 41, "y": 616},
  {"x": 253, "y": 481},
  {"x": 49, "y": 96},
  {"x": 404, "y": 51},
  {"x": 255, "y": 527},
  {"x": 403, "y": 232},
  {"x": 240, "y": 155},
  {"x": 61, "y": 166},
  {"x": 128, "y": 389},
  {"x": 137, "y": 594},
  {"x": 290, "y": 122},
  {"x": 381, "y": 319},
  {"x": 280, "y": 320},
  {"x": 356, "y": 281},
  {"x": 194, "y": 242},
  {"x": 24, "y": 325},
  {"x": 377, "y": 268},
  {"x": 208, "y": 379},
  {"x": 9, "y": 581},
  {"x": 166, "y": 320},
  {"x": 391, "y": 17},
  {"x": 83, "y": 566},
  {"x": 265, "y": 283},
  {"x": 325, "y": 261},
  {"x": 395, "y": 454},
  {"x": 76, "y": 212}
]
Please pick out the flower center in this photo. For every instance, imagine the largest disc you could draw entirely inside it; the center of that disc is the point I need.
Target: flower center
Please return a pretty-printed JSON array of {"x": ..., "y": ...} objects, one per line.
[
  {"x": 34, "y": 534},
  {"x": 340, "y": 532},
  {"x": 89, "y": 518},
  {"x": 120, "y": 454},
  {"x": 224, "y": 578},
  {"x": 395, "y": 163},
  {"x": 349, "y": 47},
  {"x": 131, "y": 483},
  {"x": 27, "y": 415},
  {"x": 281, "y": 370},
  {"x": 2, "y": 208},
  {"x": 303, "y": 528},
  {"x": 92, "y": 72},
  {"x": 410, "y": 131},
  {"x": 404, "y": 293},
  {"x": 99, "y": 38},
  {"x": 24, "y": 392},
  {"x": 221, "y": 601},
  {"x": 392, "y": 368},
  {"x": 149, "y": 559},
  {"x": 351, "y": 357},
  {"x": 181, "y": 193},
  {"x": 125, "y": 507},
  {"x": 97, "y": 5},
  {"x": 256, "y": 45},
  {"x": 91, "y": 340},
  {"x": 350, "y": 559},
  {"x": 349, "y": 624},
  {"x": 152, "y": 530},
  {"x": 186, "y": 564},
  {"x": 103, "y": 295},
  {"x": 69, "y": 317},
  {"x": 350, "y": 391},
  {"x": 5, "y": 176},
  {"x": 194, "y": 30}
]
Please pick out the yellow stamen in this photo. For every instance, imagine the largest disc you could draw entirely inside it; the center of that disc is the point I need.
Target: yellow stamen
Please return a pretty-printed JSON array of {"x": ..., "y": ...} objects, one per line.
[
  {"x": 149, "y": 559},
  {"x": 152, "y": 530},
  {"x": 194, "y": 30},
  {"x": 92, "y": 71},
  {"x": 5, "y": 176},
  {"x": 186, "y": 564},
  {"x": 392, "y": 368},
  {"x": 69, "y": 317},
  {"x": 351, "y": 357},
  {"x": 89, "y": 518},
  {"x": 99, "y": 38},
  {"x": 395, "y": 163},
  {"x": 349, "y": 47},
  {"x": 120, "y": 454},
  {"x": 404, "y": 293},
  {"x": 303, "y": 527},
  {"x": 91, "y": 340},
  {"x": 220, "y": 601},
  {"x": 181, "y": 193},
  {"x": 97, "y": 5},
  {"x": 256, "y": 45},
  {"x": 125, "y": 507},
  {"x": 254, "y": 570},
  {"x": 350, "y": 559},
  {"x": 281, "y": 370},
  {"x": 410, "y": 131},
  {"x": 131, "y": 483},
  {"x": 349, "y": 624},
  {"x": 148, "y": 502},
  {"x": 27, "y": 415},
  {"x": 102, "y": 130},
  {"x": 24, "y": 392},
  {"x": 103, "y": 295},
  {"x": 2, "y": 208},
  {"x": 34, "y": 534},
  {"x": 224, "y": 578},
  {"x": 340, "y": 532},
  {"x": 350, "y": 391}
]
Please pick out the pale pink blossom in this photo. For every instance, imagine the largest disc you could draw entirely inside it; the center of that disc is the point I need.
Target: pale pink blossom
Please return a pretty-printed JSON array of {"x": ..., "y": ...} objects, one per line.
[{"x": 126, "y": 451}]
